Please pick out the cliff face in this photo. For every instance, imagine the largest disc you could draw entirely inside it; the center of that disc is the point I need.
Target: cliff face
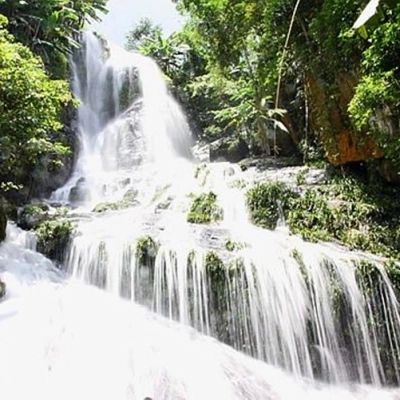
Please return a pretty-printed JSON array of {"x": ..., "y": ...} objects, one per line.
[{"x": 329, "y": 117}]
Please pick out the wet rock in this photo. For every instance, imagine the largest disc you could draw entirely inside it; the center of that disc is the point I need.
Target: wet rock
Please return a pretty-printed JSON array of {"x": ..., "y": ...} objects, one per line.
[
  {"x": 79, "y": 192},
  {"x": 389, "y": 172},
  {"x": 3, "y": 224},
  {"x": 2, "y": 289},
  {"x": 201, "y": 152},
  {"x": 229, "y": 149}
]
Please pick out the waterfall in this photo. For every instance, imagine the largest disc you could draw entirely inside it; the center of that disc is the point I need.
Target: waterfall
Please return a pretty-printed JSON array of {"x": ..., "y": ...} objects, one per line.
[
  {"x": 300, "y": 306},
  {"x": 182, "y": 311},
  {"x": 126, "y": 118}
]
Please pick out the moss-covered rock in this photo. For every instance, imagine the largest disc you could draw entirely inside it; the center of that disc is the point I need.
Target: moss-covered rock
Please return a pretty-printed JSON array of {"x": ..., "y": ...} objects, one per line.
[
  {"x": 53, "y": 238},
  {"x": 345, "y": 209},
  {"x": 146, "y": 251},
  {"x": 204, "y": 209},
  {"x": 127, "y": 201},
  {"x": 215, "y": 268},
  {"x": 79, "y": 193},
  {"x": 33, "y": 215},
  {"x": 107, "y": 206}
]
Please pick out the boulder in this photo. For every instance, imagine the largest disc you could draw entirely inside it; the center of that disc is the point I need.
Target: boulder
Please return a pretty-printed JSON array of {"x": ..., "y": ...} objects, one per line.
[
  {"x": 32, "y": 215},
  {"x": 280, "y": 142},
  {"x": 229, "y": 149},
  {"x": 78, "y": 193}
]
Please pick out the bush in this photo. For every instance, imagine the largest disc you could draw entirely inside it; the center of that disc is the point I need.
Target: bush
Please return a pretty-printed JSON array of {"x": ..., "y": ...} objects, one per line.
[
  {"x": 264, "y": 201},
  {"x": 53, "y": 238},
  {"x": 204, "y": 209}
]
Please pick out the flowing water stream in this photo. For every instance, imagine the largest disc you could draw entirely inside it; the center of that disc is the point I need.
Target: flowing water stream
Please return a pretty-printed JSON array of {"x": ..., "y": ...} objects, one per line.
[{"x": 297, "y": 319}]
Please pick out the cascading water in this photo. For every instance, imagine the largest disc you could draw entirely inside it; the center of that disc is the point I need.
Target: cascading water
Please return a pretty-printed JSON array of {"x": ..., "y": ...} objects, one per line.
[
  {"x": 296, "y": 305},
  {"x": 61, "y": 339},
  {"x": 299, "y": 306}
]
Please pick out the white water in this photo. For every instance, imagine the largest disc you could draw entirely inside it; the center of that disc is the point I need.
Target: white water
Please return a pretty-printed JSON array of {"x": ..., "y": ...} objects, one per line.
[
  {"x": 270, "y": 305},
  {"x": 61, "y": 339}
]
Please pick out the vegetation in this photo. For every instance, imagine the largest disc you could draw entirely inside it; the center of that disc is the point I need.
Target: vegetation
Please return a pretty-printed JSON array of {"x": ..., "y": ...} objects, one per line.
[
  {"x": 146, "y": 251},
  {"x": 346, "y": 209},
  {"x": 50, "y": 28},
  {"x": 53, "y": 238},
  {"x": 204, "y": 209},
  {"x": 259, "y": 70},
  {"x": 30, "y": 107},
  {"x": 32, "y": 215},
  {"x": 35, "y": 38},
  {"x": 215, "y": 269}
]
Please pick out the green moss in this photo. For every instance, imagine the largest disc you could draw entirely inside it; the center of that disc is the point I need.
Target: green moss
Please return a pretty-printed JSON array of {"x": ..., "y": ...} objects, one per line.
[
  {"x": 32, "y": 215},
  {"x": 33, "y": 209},
  {"x": 53, "y": 238},
  {"x": 214, "y": 266},
  {"x": 108, "y": 206},
  {"x": 233, "y": 246},
  {"x": 146, "y": 250},
  {"x": 204, "y": 209},
  {"x": 347, "y": 210}
]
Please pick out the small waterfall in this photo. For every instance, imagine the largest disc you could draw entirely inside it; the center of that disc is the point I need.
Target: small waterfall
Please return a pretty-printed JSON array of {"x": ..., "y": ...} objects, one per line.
[
  {"x": 314, "y": 310},
  {"x": 126, "y": 119}
]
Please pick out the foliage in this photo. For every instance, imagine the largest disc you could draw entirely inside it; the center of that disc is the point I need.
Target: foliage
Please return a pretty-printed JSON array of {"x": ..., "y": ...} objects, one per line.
[
  {"x": 53, "y": 238},
  {"x": 50, "y": 27},
  {"x": 375, "y": 104},
  {"x": 204, "y": 209},
  {"x": 242, "y": 42},
  {"x": 30, "y": 106},
  {"x": 347, "y": 210},
  {"x": 263, "y": 202},
  {"x": 141, "y": 33},
  {"x": 32, "y": 215},
  {"x": 215, "y": 268}
]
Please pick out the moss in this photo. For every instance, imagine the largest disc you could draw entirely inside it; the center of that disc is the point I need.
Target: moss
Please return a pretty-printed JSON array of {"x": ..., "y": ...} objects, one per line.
[
  {"x": 146, "y": 251},
  {"x": 32, "y": 215},
  {"x": 53, "y": 238},
  {"x": 234, "y": 246},
  {"x": 108, "y": 206},
  {"x": 127, "y": 201},
  {"x": 204, "y": 209},
  {"x": 358, "y": 214},
  {"x": 215, "y": 268}
]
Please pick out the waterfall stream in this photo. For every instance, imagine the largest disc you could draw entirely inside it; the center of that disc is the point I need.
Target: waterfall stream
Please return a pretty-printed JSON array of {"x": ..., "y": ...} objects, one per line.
[{"x": 178, "y": 314}]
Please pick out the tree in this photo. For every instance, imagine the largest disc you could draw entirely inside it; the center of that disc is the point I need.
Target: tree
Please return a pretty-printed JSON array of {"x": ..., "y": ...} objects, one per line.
[
  {"x": 50, "y": 27},
  {"x": 30, "y": 107},
  {"x": 141, "y": 33}
]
